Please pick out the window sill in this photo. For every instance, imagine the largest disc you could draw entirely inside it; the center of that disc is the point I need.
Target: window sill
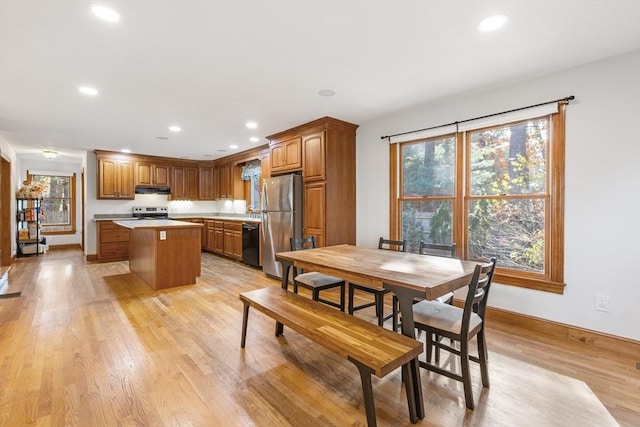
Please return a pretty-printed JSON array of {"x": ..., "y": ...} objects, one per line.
[{"x": 544, "y": 285}]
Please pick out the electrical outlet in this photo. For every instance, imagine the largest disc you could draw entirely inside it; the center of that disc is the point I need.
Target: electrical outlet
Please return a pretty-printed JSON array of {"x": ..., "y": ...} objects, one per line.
[
  {"x": 602, "y": 303},
  {"x": 163, "y": 236}
]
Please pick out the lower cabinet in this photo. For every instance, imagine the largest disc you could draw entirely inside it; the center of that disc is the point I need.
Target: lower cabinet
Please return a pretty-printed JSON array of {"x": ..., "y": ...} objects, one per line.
[
  {"x": 225, "y": 238},
  {"x": 113, "y": 242}
]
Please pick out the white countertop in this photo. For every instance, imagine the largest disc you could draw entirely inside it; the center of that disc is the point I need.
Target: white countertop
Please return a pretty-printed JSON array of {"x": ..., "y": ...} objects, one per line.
[{"x": 155, "y": 223}]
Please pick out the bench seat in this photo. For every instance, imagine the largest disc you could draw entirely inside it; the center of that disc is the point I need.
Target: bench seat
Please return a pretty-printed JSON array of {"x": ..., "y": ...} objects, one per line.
[{"x": 373, "y": 349}]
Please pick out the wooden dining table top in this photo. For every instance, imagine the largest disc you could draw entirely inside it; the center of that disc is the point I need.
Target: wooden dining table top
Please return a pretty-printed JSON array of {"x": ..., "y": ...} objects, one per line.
[{"x": 428, "y": 276}]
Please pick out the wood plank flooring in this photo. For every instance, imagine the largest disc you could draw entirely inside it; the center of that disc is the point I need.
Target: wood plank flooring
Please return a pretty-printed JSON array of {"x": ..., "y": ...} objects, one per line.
[{"x": 92, "y": 345}]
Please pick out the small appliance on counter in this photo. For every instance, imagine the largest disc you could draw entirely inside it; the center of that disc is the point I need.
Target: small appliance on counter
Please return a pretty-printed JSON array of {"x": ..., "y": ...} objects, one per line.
[{"x": 151, "y": 212}]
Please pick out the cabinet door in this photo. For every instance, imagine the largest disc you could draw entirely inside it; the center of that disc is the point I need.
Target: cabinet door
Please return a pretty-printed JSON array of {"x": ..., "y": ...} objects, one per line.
[
  {"x": 177, "y": 185},
  {"x": 206, "y": 184},
  {"x": 143, "y": 173},
  {"x": 226, "y": 181},
  {"x": 286, "y": 155},
  {"x": 126, "y": 185},
  {"x": 211, "y": 237},
  {"x": 161, "y": 175},
  {"x": 218, "y": 240},
  {"x": 236, "y": 239},
  {"x": 191, "y": 183},
  {"x": 314, "y": 211},
  {"x": 314, "y": 157},
  {"x": 115, "y": 179}
]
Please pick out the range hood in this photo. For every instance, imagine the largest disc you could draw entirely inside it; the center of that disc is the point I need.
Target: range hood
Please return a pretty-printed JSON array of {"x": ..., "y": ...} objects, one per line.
[{"x": 150, "y": 189}]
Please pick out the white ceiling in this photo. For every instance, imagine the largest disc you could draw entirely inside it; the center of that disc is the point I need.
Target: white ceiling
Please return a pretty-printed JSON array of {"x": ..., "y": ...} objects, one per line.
[{"x": 210, "y": 66}]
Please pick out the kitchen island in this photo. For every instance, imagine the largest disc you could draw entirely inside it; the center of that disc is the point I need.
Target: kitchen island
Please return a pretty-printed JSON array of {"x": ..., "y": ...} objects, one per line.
[{"x": 164, "y": 253}]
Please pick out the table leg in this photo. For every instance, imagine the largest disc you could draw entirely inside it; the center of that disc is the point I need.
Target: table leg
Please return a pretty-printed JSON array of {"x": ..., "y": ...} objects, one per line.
[
  {"x": 411, "y": 371},
  {"x": 286, "y": 267}
]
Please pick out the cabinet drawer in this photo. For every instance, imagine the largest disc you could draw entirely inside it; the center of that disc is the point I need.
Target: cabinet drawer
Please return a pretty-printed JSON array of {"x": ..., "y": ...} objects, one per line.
[
  {"x": 109, "y": 225},
  {"x": 114, "y": 250},
  {"x": 234, "y": 226},
  {"x": 110, "y": 236},
  {"x": 218, "y": 224}
]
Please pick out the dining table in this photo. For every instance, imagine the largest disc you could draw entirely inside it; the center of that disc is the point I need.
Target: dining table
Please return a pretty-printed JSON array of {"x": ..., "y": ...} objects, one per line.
[{"x": 408, "y": 275}]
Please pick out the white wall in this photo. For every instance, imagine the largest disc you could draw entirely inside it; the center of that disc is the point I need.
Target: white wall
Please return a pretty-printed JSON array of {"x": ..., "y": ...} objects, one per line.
[{"x": 602, "y": 231}]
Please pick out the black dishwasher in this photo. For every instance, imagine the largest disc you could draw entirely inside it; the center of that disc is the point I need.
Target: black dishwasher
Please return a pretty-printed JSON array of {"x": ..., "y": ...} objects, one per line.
[{"x": 251, "y": 244}]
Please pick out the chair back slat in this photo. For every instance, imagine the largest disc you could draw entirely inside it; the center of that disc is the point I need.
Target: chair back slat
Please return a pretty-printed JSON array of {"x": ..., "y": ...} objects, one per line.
[
  {"x": 437, "y": 250},
  {"x": 392, "y": 245}
]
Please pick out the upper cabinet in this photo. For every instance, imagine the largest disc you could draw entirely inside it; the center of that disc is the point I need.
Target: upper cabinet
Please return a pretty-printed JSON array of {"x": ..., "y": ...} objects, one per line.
[
  {"x": 152, "y": 173},
  {"x": 206, "y": 183},
  {"x": 285, "y": 155},
  {"x": 328, "y": 166},
  {"x": 115, "y": 177},
  {"x": 185, "y": 183}
]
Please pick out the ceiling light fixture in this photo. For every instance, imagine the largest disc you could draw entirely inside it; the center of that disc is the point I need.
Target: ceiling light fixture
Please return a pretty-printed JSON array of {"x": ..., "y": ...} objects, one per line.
[
  {"x": 254, "y": 139},
  {"x": 326, "y": 92},
  {"x": 233, "y": 146},
  {"x": 88, "y": 90},
  {"x": 251, "y": 125},
  {"x": 125, "y": 150},
  {"x": 50, "y": 154},
  {"x": 105, "y": 13},
  {"x": 175, "y": 128},
  {"x": 493, "y": 22}
]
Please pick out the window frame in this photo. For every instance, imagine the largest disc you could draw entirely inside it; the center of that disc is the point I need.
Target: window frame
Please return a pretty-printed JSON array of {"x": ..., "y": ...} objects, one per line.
[
  {"x": 552, "y": 279},
  {"x": 72, "y": 204}
]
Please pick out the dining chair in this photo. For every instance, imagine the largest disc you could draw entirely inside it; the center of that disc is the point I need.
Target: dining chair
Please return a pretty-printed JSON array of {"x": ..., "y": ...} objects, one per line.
[
  {"x": 378, "y": 294},
  {"x": 459, "y": 325},
  {"x": 448, "y": 251},
  {"x": 313, "y": 280}
]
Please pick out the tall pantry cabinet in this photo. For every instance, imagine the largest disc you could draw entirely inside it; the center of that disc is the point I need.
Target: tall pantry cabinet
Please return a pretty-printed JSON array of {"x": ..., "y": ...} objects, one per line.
[{"x": 327, "y": 150}]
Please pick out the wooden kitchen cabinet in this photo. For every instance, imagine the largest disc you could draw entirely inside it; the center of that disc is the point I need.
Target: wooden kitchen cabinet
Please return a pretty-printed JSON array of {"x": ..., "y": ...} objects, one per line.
[
  {"x": 286, "y": 155},
  {"x": 152, "y": 173},
  {"x": 233, "y": 239},
  {"x": 314, "y": 211},
  {"x": 206, "y": 183},
  {"x": 314, "y": 157},
  {"x": 328, "y": 169},
  {"x": 185, "y": 183},
  {"x": 113, "y": 242},
  {"x": 115, "y": 177}
]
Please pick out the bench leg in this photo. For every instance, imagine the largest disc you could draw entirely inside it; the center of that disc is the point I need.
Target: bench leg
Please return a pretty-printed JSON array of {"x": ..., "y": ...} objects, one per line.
[
  {"x": 245, "y": 318},
  {"x": 367, "y": 392}
]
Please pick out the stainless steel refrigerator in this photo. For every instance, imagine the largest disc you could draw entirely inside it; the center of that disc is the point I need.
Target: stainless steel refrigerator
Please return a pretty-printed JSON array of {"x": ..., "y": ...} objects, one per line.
[{"x": 281, "y": 219}]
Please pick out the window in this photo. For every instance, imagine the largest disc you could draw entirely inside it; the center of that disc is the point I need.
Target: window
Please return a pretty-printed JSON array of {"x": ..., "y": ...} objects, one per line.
[
  {"x": 58, "y": 206},
  {"x": 494, "y": 191}
]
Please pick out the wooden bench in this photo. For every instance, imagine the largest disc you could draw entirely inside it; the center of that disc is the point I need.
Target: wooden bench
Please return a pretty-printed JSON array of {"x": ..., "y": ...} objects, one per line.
[{"x": 373, "y": 349}]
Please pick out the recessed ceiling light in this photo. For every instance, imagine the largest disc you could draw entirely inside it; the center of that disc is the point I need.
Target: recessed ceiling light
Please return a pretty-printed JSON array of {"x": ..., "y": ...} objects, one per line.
[
  {"x": 161, "y": 137},
  {"x": 233, "y": 146},
  {"x": 125, "y": 150},
  {"x": 207, "y": 155},
  {"x": 105, "y": 13},
  {"x": 254, "y": 139},
  {"x": 251, "y": 125},
  {"x": 87, "y": 90},
  {"x": 493, "y": 22},
  {"x": 175, "y": 128},
  {"x": 326, "y": 92}
]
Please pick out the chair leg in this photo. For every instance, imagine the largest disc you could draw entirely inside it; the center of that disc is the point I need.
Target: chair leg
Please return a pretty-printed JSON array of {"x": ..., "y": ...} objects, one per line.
[
  {"x": 295, "y": 287},
  {"x": 429, "y": 345},
  {"x": 351, "y": 292},
  {"x": 466, "y": 374},
  {"x": 394, "y": 315},
  {"x": 483, "y": 356},
  {"x": 342, "y": 297},
  {"x": 315, "y": 294},
  {"x": 380, "y": 308}
]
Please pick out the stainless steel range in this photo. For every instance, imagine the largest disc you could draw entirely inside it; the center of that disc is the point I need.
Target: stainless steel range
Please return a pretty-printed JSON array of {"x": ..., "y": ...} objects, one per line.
[{"x": 151, "y": 212}]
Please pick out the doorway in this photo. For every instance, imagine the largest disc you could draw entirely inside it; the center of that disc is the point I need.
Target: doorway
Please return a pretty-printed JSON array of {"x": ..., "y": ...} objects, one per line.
[{"x": 5, "y": 212}]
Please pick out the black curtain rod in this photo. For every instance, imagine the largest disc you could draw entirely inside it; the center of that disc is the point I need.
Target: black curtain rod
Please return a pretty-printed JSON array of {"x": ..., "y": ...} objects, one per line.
[{"x": 565, "y": 99}]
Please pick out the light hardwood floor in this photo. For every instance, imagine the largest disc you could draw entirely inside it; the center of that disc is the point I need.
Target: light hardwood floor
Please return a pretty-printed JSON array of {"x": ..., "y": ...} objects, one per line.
[{"x": 91, "y": 345}]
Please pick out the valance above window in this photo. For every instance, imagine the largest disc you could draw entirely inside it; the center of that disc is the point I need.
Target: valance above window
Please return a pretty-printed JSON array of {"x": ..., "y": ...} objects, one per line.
[{"x": 251, "y": 171}]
